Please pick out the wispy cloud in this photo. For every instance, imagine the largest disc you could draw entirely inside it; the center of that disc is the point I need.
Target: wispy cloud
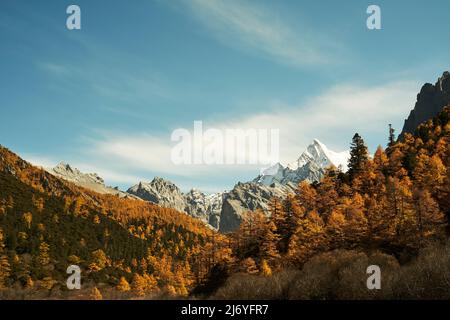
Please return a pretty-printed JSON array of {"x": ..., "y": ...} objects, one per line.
[
  {"x": 332, "y": 117},
  {"x": 336, "y": 115},
  {"x": 255, "y": 28}
]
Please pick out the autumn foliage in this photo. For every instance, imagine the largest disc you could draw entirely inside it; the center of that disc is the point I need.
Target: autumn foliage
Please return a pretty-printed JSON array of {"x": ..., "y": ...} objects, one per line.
[
  {"x": 391, "y": 205},
  {"x": 396, "y": 202}
]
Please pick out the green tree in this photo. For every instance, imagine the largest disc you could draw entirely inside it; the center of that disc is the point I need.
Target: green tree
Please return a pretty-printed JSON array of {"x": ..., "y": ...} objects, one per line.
[
  {"x": 358, "y": 156},
  {"x": 391, "y": 140}
]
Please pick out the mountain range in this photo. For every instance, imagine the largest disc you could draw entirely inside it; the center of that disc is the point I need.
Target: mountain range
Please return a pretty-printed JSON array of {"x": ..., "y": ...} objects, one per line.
[{"x": 224, "y": 210}]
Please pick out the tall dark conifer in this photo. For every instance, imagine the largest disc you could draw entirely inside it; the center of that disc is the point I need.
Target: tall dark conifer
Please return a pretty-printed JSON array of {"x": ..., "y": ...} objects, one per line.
[
  {"x": 391, "y": 136},
  {"x": 358, "y": 156}
]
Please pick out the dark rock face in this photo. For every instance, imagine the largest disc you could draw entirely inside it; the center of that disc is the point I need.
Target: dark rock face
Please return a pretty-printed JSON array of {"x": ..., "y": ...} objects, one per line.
[
  {"x": 430, "y": 101},
  {"x": 247, "y": 197}
]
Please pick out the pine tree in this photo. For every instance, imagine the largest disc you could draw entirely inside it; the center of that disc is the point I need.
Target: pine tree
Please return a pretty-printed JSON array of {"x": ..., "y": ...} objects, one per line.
[
  {"x": 358, "y": 156},
  {"x": 391, "y": 141}
]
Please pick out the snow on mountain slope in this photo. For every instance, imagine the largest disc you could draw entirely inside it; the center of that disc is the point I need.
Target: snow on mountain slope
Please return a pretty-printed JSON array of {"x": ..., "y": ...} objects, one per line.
[
  {"x": 318, "y": 153},
  {"x": 272, "y": 174},
  {"x": 310, "y": 166}
]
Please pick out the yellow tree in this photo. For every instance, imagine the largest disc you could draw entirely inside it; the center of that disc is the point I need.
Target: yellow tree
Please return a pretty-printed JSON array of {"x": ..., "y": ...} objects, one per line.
[
  {"x": 99, "y": 260},
  {"x": 96, "y": 294},
  {"x": 356, "y": 227},
  {"x": 308, "y": 238},
  {"x": 151, "y": 283},
  {"x": 43, "y": 257},
  {"x": 5, "y": 268},
  {"x": 294, "y": 212},
  {"x": 306, "y": 196},
  {"x": 123, "y": 285},
  {"x": 265, "y": 269},
  {"x": 429, "y": 172},
  {"x": 327, "y": 196},
  {"x": 268, "y": 242},
  {"x": 248, "y": 265},
  {"x": 379, "y": 218},
  {"x": 402, "y": 210},
  {"x": 27, "y": 218},
  {"x": 278, "y": 215},
  {"x": 335, "y": 229},
  {"x": 138, "y": 285},
  {"x": 430, "y": 220},
  {"x": 380, "y": 159}
]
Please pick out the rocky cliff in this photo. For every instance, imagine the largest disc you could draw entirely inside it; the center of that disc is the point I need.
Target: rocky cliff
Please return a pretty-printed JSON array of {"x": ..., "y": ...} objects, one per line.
[{"x": 430, "y": 101}]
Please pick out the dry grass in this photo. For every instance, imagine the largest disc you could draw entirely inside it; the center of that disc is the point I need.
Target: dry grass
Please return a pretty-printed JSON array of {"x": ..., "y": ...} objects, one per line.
[{"x": 341, "y": 274}]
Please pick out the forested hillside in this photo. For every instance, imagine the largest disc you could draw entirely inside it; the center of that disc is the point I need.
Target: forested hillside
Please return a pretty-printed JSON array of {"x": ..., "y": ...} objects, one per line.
[{"x": 47, "y": 224}]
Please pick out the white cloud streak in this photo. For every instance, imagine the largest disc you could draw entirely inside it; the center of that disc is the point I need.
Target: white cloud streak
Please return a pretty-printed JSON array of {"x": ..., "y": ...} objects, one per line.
[
  {"x": 332, "y": 117},
  {"x": 255, "y": 28}
]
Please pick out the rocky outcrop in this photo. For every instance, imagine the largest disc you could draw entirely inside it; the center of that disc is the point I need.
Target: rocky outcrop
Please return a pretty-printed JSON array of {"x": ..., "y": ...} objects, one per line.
[
  {"x": 91, "y": 181},
  {"x": 204, "y": 207},
  {"x": 194, "y": 203},
  {"x": 161, "y": 192},
  {"x": 430, "y": 101}
]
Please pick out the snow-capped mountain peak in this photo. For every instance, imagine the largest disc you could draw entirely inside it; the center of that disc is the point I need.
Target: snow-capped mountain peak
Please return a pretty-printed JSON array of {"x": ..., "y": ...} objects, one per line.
[
  {"x": 318, "y": 153},
  {"x": 310, "y": 166}
]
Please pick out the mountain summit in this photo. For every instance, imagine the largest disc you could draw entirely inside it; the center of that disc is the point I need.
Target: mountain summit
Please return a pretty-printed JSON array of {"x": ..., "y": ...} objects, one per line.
[
  {"x": 310, "y": 166},
  {"x": 195, "y": 203},
  {"x": 91, "y": 181}
]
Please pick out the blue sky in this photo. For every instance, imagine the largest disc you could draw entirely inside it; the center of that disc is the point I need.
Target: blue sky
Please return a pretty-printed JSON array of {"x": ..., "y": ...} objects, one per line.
[{"x": 107, "y": 97}]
